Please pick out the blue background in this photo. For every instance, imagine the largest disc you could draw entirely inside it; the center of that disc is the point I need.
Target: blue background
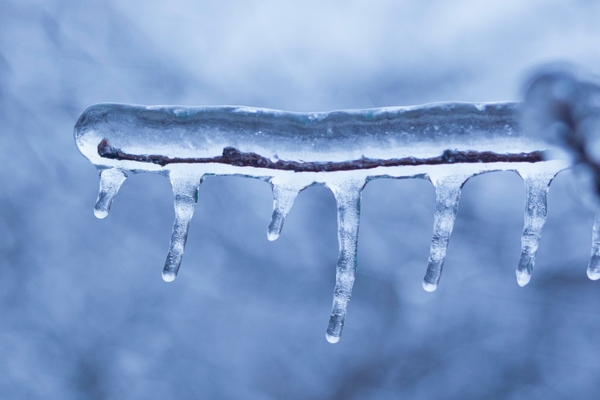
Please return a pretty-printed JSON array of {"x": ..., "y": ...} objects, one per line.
[{"x": 84, "y": 312}]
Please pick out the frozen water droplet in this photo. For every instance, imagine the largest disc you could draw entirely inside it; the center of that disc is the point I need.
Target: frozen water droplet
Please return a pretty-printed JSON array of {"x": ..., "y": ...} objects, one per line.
[
  {"x": 593, "y": 274},
  {"x": 185, "y": 191},
  {"x": 284, "y": 195},
  {"x": 101, "y": 213},
  {"x": 332, "y": 339},
  {"x": 447, "y": 195},
  {"x": 275, "y": 227},
  {"x": 110, "y": 182},
  {"x": 169, "y": 276},
  {"x": 429, "y": 287},
  {"x": 593, "y": 270},
  {"x": 536, "y": 194},
  {"x": 347, "y": 195},
  {"x": 523, "y": 276}
]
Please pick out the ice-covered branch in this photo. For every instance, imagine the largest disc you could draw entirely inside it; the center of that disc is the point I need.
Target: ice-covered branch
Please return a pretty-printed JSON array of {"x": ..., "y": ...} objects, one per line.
[
  {"x": 232, "y": 156},
  {"x": 343, "y": 150},
  {"x": 562, "y": 105}
]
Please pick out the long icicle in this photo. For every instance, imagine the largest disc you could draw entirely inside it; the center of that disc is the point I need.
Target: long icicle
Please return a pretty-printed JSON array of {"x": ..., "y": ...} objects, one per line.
[
  {"x": 347, "y": 196},
  {"x": 593, "y": 270},
  {"x": 447, "y": 196},
  {"x": 536, "y": 209},
  {"x": 185, "y": 192},
  {"x": 110, "y": 182},
  {"x": 284, "y": 195}
]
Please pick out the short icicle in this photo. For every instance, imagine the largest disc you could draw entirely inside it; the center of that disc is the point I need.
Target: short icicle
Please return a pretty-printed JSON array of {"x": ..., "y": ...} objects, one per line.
[
  {"x": 536, "y": 209},
  {"x": 284, "y": 194},
  {"x": 185, "y": 192},
  {"x": 110, "y": 182},
  {"x": 593, "y": 270},
  {"x": 347, "y": 195},
  {"x": 447, "y": 196}
]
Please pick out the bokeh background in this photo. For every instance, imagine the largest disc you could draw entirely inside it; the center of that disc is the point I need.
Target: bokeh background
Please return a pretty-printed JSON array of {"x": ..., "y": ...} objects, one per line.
[{"x": 84, "y": 312}]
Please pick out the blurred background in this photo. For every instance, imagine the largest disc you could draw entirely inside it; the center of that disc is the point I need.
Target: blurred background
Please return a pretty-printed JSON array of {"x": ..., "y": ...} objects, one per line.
[{"x": 84, "y": 312}]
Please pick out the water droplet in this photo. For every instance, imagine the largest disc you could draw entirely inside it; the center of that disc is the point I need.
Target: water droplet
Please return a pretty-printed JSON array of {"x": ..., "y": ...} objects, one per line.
[
  {"x": 429, "y": 287},
  {"x": 169, "y": 276},
  {"x": 332, "y": 339},
  {"x": 523, "y": 276}
]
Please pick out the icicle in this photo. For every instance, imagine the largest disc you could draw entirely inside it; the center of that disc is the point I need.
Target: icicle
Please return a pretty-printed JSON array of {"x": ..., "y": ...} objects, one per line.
[
  {"x": 342, "y": 149},
  {"x": 110, "y": 182},
  {"x": 447, "y": 195},
  {"x": 593, "y": 271},
  {"x": 347, "y": 195},
  {"x": 284, "y": 195},
  {"x": 185, "y": 191},
  {"x": 536, "y": 193}
]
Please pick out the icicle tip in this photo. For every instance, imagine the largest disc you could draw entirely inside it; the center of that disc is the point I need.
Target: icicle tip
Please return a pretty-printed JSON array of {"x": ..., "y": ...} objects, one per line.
[
  {"x": 100, "y": 213},
  {"x": 593, "y": 274},
  {"x": 429, "y": 287},
  {"x": 523, "y": 277},
  {"x": 276, "y": 225},
  {"x": 332, "y": 339},
  {"x": 169, "y": 276},
  {"x": 272, "y": 236}
]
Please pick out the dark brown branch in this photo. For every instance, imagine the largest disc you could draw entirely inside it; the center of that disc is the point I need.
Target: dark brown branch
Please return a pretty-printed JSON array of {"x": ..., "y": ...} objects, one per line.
[{"x": 232, "y": 156}]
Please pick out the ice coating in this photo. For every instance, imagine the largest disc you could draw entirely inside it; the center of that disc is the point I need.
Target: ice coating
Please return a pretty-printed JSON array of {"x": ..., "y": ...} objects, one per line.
[
  {"x": 446, "y": 143},
  {"x": 447, "y": 195},
  {"x": 172, "y": 134},
  {"x": 537, "y": 184}
]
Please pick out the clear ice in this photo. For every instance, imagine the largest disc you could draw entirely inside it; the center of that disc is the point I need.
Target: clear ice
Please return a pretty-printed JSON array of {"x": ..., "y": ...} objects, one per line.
[
  {"x": 593, "y": 271},
  {"x": 185, "y": 193},
  {"x": 447, "y": 194},
  {"x": 347, "y": 196},
  {"x": 536, "y": 193},
  {"x": 562, "y": 105},
  {"x": 446, "y": 143},
  {"x": 110, "y": 183}
]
